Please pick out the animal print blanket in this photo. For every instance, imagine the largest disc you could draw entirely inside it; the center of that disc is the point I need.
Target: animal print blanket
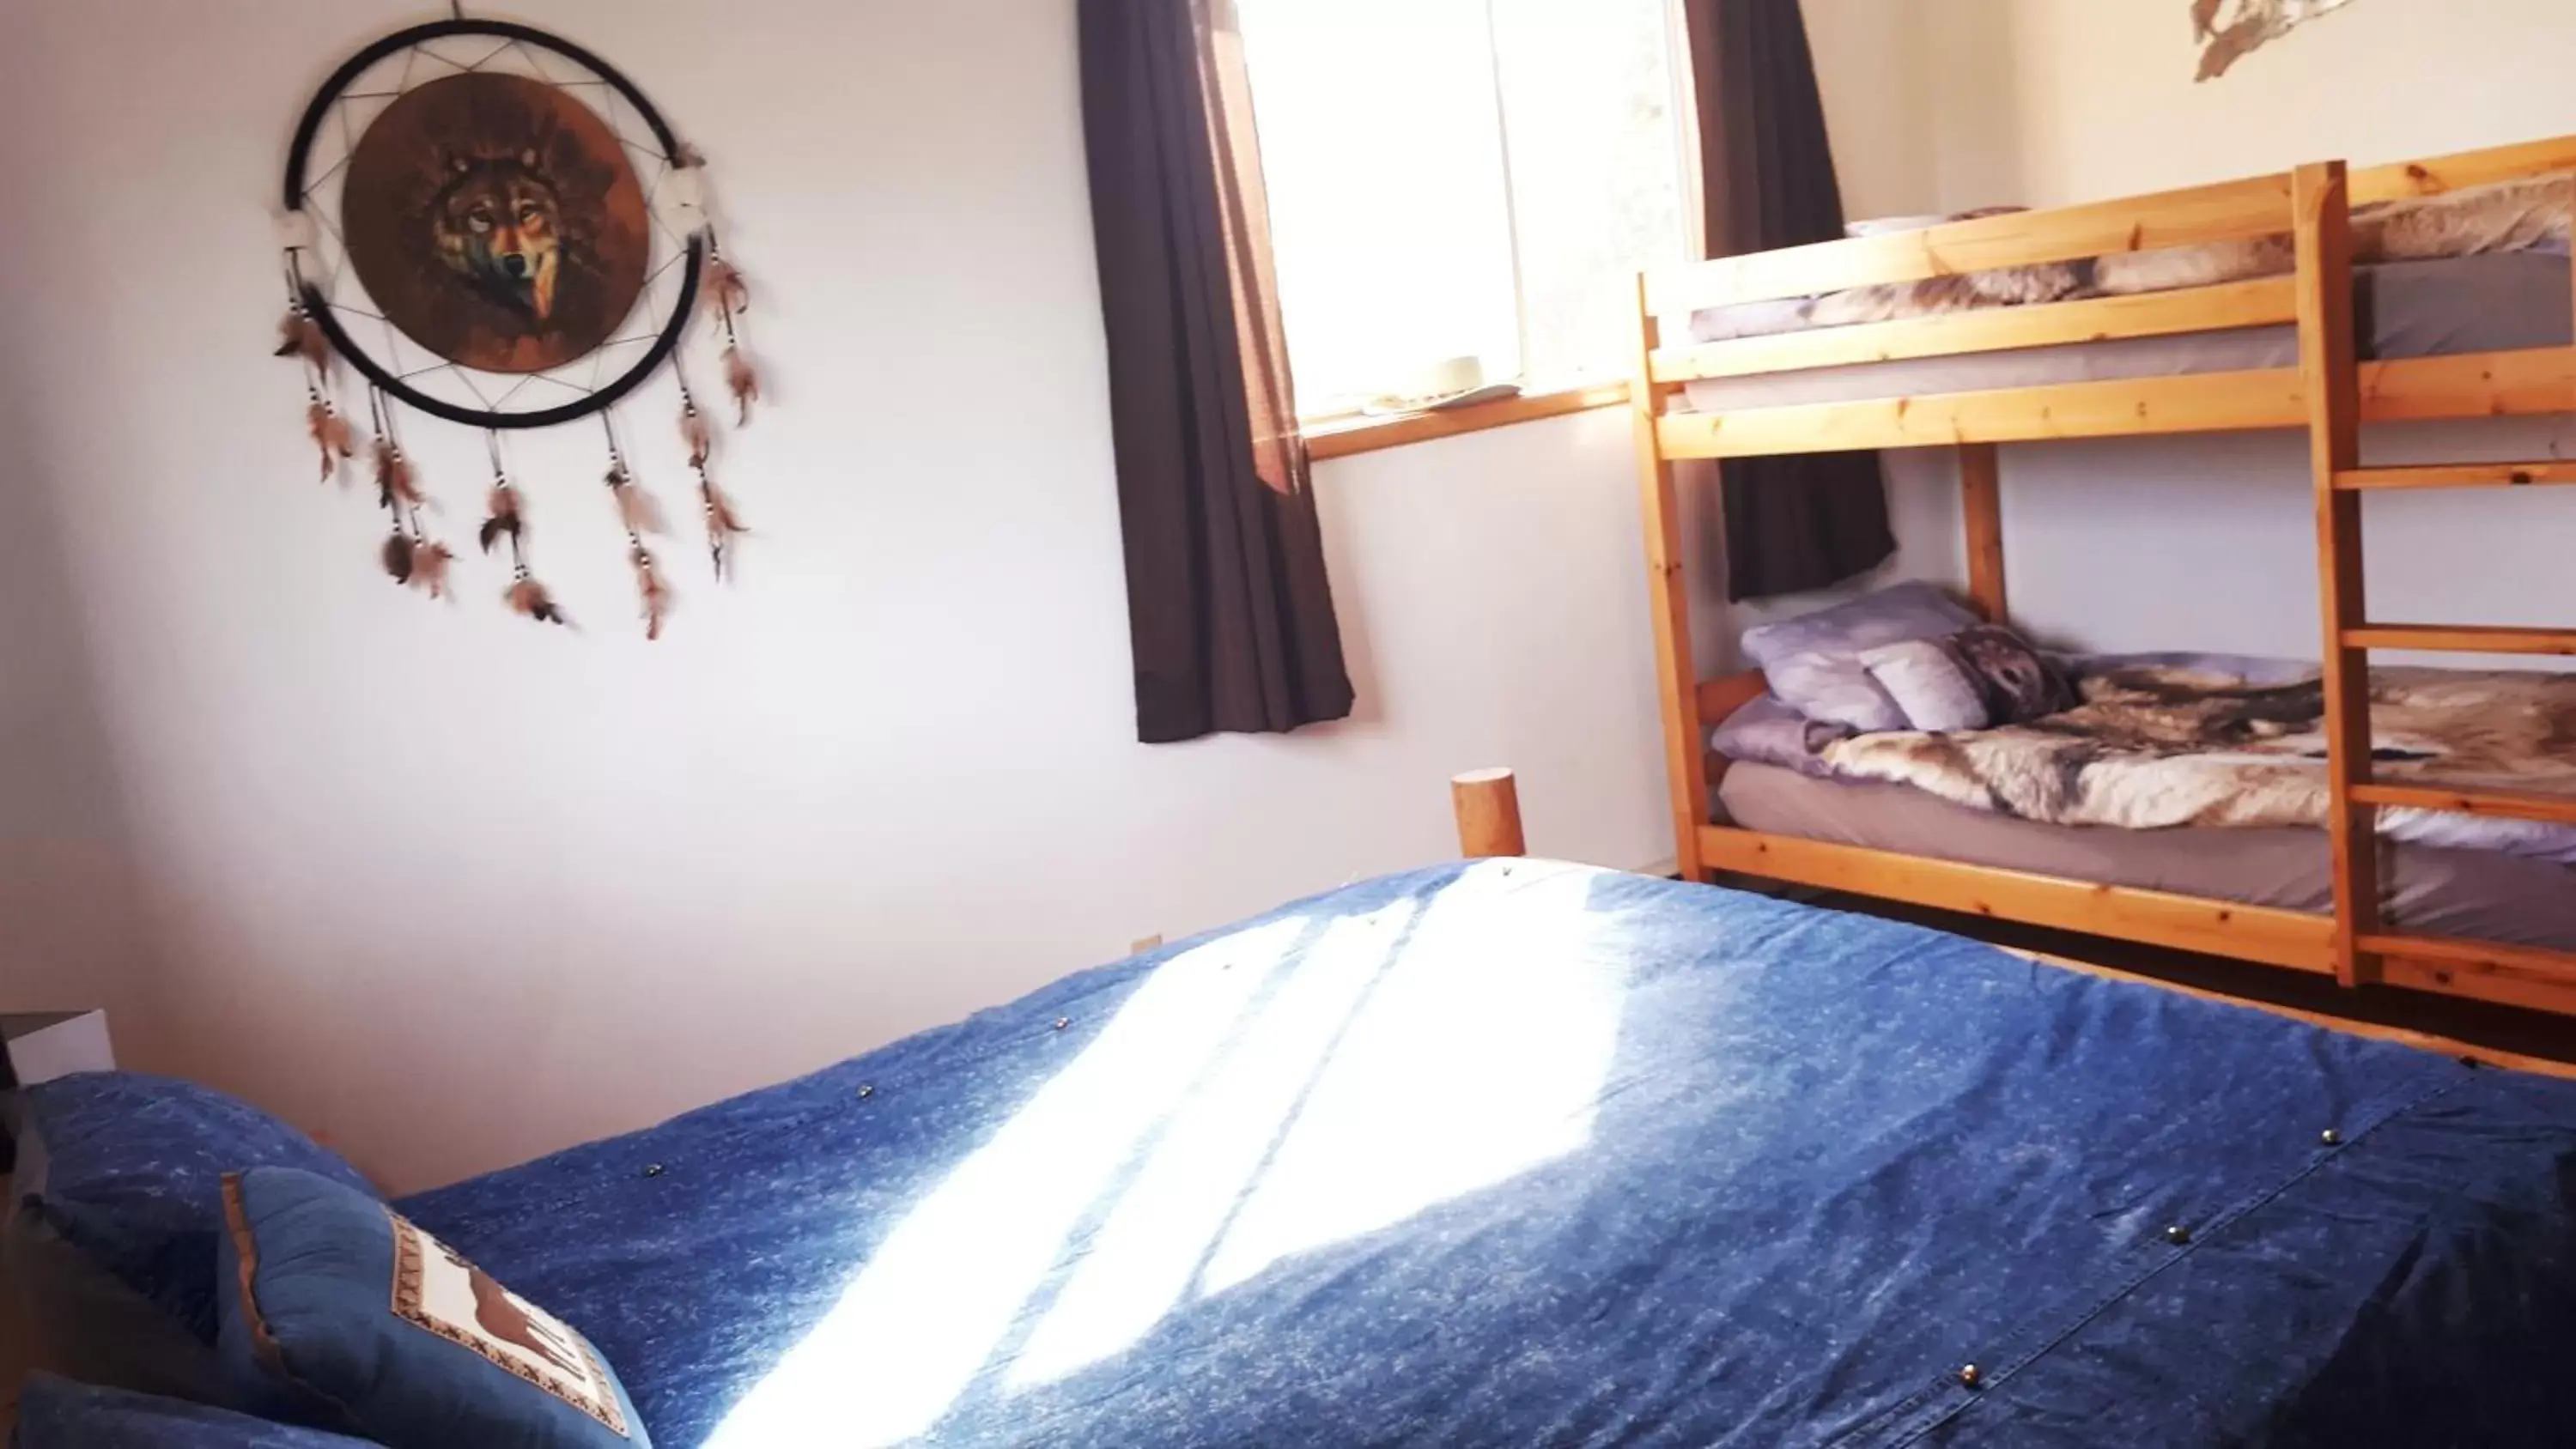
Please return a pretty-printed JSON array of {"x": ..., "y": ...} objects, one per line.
[
  {"x": 2527, "y": 215},
  {"x": 2152, "y": 747}
]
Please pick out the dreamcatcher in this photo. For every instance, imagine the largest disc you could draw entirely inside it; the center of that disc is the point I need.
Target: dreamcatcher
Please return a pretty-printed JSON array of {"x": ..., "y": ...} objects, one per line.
[{"x": 490, "y": 226}]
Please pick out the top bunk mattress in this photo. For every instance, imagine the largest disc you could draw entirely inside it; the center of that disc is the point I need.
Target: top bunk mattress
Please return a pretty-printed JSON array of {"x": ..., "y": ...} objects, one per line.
[{"x": 2499, "y": 302}]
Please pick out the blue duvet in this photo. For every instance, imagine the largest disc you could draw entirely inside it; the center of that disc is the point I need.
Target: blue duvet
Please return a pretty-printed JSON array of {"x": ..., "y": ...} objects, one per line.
[{"x": 1524, "y": 1154}]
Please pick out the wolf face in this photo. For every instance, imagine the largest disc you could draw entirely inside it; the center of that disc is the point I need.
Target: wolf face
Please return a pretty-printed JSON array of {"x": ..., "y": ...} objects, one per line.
[{"x": 498, "y": 223}]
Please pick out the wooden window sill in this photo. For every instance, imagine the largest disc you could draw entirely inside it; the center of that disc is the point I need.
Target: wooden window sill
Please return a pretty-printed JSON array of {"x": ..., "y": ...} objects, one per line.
[{"x": 1342, "y": 437}]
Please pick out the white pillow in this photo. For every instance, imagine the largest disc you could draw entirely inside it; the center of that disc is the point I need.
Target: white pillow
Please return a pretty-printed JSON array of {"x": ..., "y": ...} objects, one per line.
[{"x": 1928, "y": 684}]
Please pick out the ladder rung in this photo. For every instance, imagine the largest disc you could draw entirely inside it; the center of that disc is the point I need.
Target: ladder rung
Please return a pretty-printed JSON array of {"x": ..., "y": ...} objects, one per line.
[
  {"x": 2459, "y": 475},
  {"x": 2529, "y": 962},
  {"x": 2508, "y": 804},
  {"x": 2462, "y": 638}
]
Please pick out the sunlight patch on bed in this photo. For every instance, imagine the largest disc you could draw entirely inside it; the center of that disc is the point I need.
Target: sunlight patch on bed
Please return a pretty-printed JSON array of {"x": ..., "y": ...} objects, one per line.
[
  {"x": 1362, "y": 1098},
  {"x": 1231, "y": 1115},
  {"x": 944, "y": 1288}
]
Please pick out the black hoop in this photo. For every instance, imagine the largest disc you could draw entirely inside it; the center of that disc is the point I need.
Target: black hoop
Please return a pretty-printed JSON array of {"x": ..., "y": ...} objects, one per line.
[{"x": 319, "y": 309}]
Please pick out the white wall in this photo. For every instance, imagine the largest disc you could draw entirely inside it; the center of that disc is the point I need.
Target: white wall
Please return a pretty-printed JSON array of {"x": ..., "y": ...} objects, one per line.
[
  {"x": 2207, "y": 543},
  {"x": 453, "y": 889}
]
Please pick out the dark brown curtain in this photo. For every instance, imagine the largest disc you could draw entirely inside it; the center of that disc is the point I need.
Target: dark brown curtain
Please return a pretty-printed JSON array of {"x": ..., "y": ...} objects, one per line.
[
  {"x": 1227, "y": 603},
  {"x": 1810, "y": 520}
]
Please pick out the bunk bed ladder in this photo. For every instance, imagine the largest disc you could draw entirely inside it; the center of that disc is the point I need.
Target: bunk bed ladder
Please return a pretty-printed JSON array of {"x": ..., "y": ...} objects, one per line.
[
  {"x": 2365, "y": 949},
  {"x": 2330, "y": 376}
]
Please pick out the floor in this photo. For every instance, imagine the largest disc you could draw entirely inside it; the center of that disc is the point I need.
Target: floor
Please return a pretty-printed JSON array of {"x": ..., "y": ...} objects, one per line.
[{"x": 15, "y": 1349}]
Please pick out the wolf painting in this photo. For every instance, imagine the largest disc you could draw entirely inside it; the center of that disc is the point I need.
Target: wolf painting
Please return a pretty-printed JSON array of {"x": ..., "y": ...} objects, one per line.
[{"x": 495, "y": 221}]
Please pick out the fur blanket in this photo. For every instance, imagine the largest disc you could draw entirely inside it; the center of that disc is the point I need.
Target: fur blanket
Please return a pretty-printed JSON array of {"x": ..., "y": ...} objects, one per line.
[
  {"x": 2529, "y": 215},
  {"x": 2157, "y": 747}
]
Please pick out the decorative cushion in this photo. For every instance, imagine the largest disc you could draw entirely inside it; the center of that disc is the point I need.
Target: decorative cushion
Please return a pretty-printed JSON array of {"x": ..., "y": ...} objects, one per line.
[
  {"x": 346, "y": 1316},
  {"x": 129, "y": 1170},
  {"x": 1814, "y": 660},
  {"x": 2018, "y": 682},
  {"x": 1928, "y": 682},
  {"x": 60, "y": 1414}
]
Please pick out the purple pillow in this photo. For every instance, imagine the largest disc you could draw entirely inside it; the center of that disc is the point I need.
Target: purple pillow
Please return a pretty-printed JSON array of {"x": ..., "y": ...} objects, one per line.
[
  {"x": 1813, "y": 661},
  {"x": 1767, "y": 732}
]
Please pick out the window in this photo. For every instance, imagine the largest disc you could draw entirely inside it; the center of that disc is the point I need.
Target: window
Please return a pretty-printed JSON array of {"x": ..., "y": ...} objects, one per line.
[{"x": 1454, "y": 178}]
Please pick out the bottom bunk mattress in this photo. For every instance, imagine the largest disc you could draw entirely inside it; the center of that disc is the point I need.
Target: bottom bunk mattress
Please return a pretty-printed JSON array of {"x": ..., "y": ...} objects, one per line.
[
  {"x": 2479, "y": 894},
  {"x": 1521, "y": 1153}
]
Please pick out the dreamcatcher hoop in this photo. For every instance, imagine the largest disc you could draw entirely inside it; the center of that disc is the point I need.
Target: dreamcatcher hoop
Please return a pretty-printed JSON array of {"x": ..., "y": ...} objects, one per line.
[{"x": 323, "y": 308}]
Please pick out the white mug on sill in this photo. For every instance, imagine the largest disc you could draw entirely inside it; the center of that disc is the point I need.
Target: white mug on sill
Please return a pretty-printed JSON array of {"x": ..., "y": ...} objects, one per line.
[{"x": 1448, "y": 383}]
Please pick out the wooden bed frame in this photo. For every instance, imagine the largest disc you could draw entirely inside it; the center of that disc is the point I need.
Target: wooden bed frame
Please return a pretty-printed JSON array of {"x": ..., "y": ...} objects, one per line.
[{"x": 2328, "y": 393}]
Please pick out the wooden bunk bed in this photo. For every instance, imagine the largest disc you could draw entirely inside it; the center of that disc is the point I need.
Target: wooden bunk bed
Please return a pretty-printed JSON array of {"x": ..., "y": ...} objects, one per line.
[{"x": 2328, "y": 392}]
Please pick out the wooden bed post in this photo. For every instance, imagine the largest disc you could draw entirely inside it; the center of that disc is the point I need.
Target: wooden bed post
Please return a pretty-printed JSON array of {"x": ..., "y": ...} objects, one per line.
[
  {"x": 1981, "y": 505},
  {"x": 1668, "y": 591},
  {"x": 2321, "y": 205},
  {"x": 1488, "y": 806}
]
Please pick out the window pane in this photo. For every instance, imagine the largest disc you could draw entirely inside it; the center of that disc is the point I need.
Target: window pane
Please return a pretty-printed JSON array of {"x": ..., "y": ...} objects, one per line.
[
  {"x": 1596, "y": 165},
  {"x": 1382, "y": 149}
]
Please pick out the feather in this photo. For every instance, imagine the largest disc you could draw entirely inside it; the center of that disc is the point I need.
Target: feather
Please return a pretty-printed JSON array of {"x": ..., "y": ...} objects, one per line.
[
  {"x": 429, "y": 568},
  {"x": 743, "y": 382},
  {"x": 398, "y": 556},
  {"x": 530, "y": 598},
  {"x": 635, "y": 507},
  {"x": 300, "y": 336},
  {"x": 503, "y": 510},
  {"x": 726, "y": 292},
  {"x": 395, "y": 485},
  {"x": 695, "y": 432},
  {"x": 649, "y": 585},
  {"x": 722, "y": 525},
  {"x": 331, "y": 435}
]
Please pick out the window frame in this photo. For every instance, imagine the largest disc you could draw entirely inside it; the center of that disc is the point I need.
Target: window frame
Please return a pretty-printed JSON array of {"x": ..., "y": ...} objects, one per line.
[{"x": 1345, "y": 435}]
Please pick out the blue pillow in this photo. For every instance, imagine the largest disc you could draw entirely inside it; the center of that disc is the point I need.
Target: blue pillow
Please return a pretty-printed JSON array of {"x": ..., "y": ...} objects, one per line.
[
  {"x": 128, "y": 1170},
  {"x": 345, "y": 1316},
  {"x": 59, "y": 1414}
]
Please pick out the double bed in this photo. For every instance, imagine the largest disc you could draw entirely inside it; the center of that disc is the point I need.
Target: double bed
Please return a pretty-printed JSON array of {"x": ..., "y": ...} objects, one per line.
[{"x": 1515, "y": 1152}]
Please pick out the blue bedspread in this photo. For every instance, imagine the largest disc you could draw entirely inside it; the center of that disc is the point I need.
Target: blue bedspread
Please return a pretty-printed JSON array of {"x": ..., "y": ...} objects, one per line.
[{"x": 1531, "y": 1155}]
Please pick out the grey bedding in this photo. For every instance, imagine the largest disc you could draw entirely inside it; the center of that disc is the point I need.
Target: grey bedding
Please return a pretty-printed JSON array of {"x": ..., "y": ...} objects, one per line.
[
  {"x": 2492, "y": 303},
  {"x": 2479, "y": 894}
]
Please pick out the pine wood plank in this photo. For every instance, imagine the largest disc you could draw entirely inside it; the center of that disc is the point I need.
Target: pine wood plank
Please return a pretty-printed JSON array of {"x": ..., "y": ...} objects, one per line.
[
  {"x": 2459, "y": 475},
  {"x": 1345, "y": 438},
  {"x": 2526, "y": 976},
  {"x": 1669, "y": 602},
  {"x": 2255, "y": 206},
  {"x": 2199, "y": 402},
  {"x": 2462, "y": 800},
  {"x": 2462, "y": 638},
  {"x": 2532, "y": 382},
  {"x": 2268, "y": 302},
  {"x": 2483, "y": 167},
  {"x": 2191, "y": 923},
  {"x": 2330, "y": 381},
  {"x": 1981, "y": 508},
  {"x": 1723, "y": 696}
]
